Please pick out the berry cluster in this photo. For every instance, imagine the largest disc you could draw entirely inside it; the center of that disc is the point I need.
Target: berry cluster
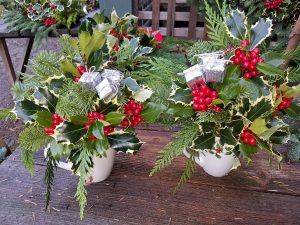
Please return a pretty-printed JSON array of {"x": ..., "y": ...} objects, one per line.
[
  {"x": 273, "y": 4},
  {"x": 203, "y": 97},
  {"x": 286, "y": 103},
  {"x": 56, "y": 120},
  {"x": 248, "y": 137},
  {"x": 81, "y": 71},
  {"x": 115, "y": 48},
  {"x": 93, "y": 116},
  {"x": 247, "y": 59},
  {"x": 49, "y": 22},
  {"x": 132, "y": 111}
]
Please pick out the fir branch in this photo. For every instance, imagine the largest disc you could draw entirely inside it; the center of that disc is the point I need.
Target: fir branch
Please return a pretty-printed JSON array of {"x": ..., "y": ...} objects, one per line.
[
  {"x": 294, "y": 74},
  {"x": 190, "y": 168},
  {"x": 49, "y": 176},
  {"x": 183, "y": 139},
  {"x": 198, "y": 48},
  {"x": 215, "y": 23},
  {"x": 83, "y": 167},
  {"x": 33, "y": 138},
  {"x": 69, "y": 46},
  {"x": 21, "y": 90},
  {"x": 75, "y": 100},
  {"x": 7, "y": 114},
  {"x": 27, "y": 158}
]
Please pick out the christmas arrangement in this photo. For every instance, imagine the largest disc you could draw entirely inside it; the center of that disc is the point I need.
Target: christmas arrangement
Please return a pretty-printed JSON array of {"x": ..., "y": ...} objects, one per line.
[
  {"x": 230, "y": 103},
  {"x": 283, "y": 13},
  {"x": 82, "y": 103},
  {"x": 42, "y": 17}
]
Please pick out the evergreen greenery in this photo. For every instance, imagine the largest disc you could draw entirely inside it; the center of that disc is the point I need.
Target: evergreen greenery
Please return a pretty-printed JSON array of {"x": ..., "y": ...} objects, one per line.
[
  {"x": 7, "y": 114},
  {"x": 182, "y": 139},
  {"x": 49, "y": 176}
]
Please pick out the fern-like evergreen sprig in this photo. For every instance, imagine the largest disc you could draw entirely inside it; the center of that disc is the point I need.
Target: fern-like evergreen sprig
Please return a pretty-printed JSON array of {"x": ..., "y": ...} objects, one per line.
[
  {"x": 7, "y": 114},
  {"x": 183, "y": 139},
  {"x": 49, "y": 176}
]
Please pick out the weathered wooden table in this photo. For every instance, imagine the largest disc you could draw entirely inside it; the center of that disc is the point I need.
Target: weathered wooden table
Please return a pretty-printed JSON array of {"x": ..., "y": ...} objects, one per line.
[{"x": 249, "y": 195}]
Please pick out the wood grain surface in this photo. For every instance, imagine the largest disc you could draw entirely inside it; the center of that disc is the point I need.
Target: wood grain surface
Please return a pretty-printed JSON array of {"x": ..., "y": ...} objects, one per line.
[{"x": 254, "y": 194}]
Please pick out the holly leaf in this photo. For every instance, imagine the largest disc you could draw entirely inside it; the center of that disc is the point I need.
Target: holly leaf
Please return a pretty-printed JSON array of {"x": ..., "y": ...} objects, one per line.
[
  {"x": 102, "y": 146},
  {"x": 248, "y": 150},
  {"x": 292, "y": 91},
  {"x": 258, "y": 126},
  {"x": 152, "y": 111},
  {"x": 260, "y": 31},
  {"x": 264, "y": 145},
  {"x": 182, "y": 96},
  {"x": 178, "y": 110},
  {"x": 44, "y": 118},
  {"x": 235, "y": 24},
  {"x": 96, "y": 129},
  {"x": 114, "y": 118},
  {"x": 131, "y": 84},
  {"x": 43, "y": 97},
  {"x": 270, "y": 70},
  {"x": 56, "y": 149},
  {"x": 26, "y": 109},
  {"x": 68, "y": 67},
  {"x": 95, "y": 42},
  {"x": 226, "y": 137},
  {"x": 124, "y": 142},
  {"x": 70, "y": 132},
  {"x": 142, "y": 95},
  {"x": 250, "y": 89},
  {"x": 260, "y": 109},
  {"x": 204, "y": 141},
  {"x": 79, "y": 120},
  {"x": 293, "y": 111}
]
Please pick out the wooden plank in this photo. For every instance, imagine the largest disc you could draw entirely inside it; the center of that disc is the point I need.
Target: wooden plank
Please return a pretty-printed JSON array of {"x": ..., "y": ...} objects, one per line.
[
  {"x": 155, "y": 14},
  {"x": 192, "y": 23},
  {"x": 181, "y": 32},
  {"x": 171, "y": 17},
  {"x": 129, "y": 196},
  {"x": 26, "y": 54},
  {"x": 135, "y": 7},
  {"x": 7, "y": 61},
  {"x": 179, "y": 16}
]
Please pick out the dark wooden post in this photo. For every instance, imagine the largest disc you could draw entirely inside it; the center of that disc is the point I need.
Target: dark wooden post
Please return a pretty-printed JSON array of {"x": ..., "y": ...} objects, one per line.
[
  {"x": 193, "y": 23},
  {"x": 171, "y": 17},
  {"x": 155, "y": 14}
]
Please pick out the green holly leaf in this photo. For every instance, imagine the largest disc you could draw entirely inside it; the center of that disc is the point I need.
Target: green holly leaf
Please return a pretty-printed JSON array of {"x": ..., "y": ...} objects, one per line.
[
  {"x": 96, "y": 129},
  {"x": 229, "y": 91},
  {"x": 293, "y": 111},
  {"x": 270, "y": 70},
  {"x": 68, "y": 67},
  {"x": 264, "y": 145},
  {"x": 226, "y": 137},
  {"x": 70, "y": 132},
  {"x": 102, "y": 146},
  {"x": 152, "y": 111},
  {"x": 114, "y": 118},
  {"x": 179, "y": 110},
  {"x": 131, "y": 84},
  {"x": 44, "y": 118},
  {"x": 279, "y": 137},
  {"x": 26, "y": 110},
  {"x": 95, "y": 42},
  {"x": 142, "y": 95},
  {"x": 79, "y": 120},
  {"x": 235, "y": 23},
  {"x": 250, "y": 89},
  {"x": 260, "y": 31},
  {"x": 204, "y": 141},
  {"x": 260, "y": 109},
  {"x": 258, "y": 126},
  {"x": 56, "y": 149},
  {"x": 124, "y": 142},
  {"x": 248, "y": 150},
  {"x": 182, "y": 96},
  {"x": 292, "y": 91}
]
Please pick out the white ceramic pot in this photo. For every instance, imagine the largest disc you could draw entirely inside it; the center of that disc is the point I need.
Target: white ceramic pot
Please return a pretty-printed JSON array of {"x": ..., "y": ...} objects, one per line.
[
  {"x": 101, "y": 169},
  {"x": 214, "y": 166}
]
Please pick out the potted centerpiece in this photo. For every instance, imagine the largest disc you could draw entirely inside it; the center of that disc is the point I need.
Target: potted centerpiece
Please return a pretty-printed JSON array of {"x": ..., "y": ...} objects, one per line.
[
  {"x": 82, "y": 104},
  {"x": 231, "y": 102}
]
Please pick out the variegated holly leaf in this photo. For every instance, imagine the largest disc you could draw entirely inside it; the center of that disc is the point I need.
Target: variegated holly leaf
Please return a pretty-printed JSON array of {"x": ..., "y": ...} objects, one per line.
[
  {"x": 142, "y": 95},
  {"x": 270, "y": 70},
  {"x": 152, "y": 111},
  {"x": 79, "y": 120},
  {"x": 125, "y": 142},
  {"x": 260, "y": 31},
  {"x": 250, "y": 89},
  {"x": 237, "y": 125},
  {"x": 264, "y": 145},
  {"x": 204, "y": 141},
  {"x": 101, "y": 146},
  {"x": 236, "y": 24},
  {"x": 106, "y": 107},
  {"x": 43, "y": 97},
  {"x": 293, "y": 111},
  {"x": 258, "y": 126},
  {"x": 260, "y": 109},
  {"x": 97, "y": 130},
  {"x": 70, "y": 132},
  {"x": 131, "y": 84},
  {"x": 182, "y": 96},
  {"x": 26, "y": 110},
  {"x": 226, "y": 137}
]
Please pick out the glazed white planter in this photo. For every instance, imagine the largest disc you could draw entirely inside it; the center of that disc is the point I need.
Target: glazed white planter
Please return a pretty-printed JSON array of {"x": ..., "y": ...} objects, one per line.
[
  {"x": 101, "y": 169},
  {"x": 217, "y": 167}
]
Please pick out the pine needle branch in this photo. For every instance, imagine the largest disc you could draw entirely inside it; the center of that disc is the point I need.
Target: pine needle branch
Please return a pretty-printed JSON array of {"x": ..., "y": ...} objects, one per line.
[{"x": 49, "y": 177}]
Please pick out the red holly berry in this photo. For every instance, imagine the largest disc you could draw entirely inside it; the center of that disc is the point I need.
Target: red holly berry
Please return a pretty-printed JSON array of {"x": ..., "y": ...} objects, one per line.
[
  {"x": 81, "y": 69},
  {"x": 49, "y": 22},
  {"x": 245, "y": 43},
  {"x": 115, "y": 48}
]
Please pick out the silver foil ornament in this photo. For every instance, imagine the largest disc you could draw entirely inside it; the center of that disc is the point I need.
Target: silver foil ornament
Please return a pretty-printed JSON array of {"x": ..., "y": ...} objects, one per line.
[
  {"x": 91, "y": 79},
  {"x": 108, "y": 88},
  {"x": 194, "y": 76},
  {"x": 215, "y": 70}
]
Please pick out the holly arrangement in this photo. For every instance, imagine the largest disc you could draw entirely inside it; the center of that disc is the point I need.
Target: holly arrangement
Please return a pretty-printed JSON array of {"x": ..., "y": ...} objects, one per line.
[{"x": 273, "y": 4}]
